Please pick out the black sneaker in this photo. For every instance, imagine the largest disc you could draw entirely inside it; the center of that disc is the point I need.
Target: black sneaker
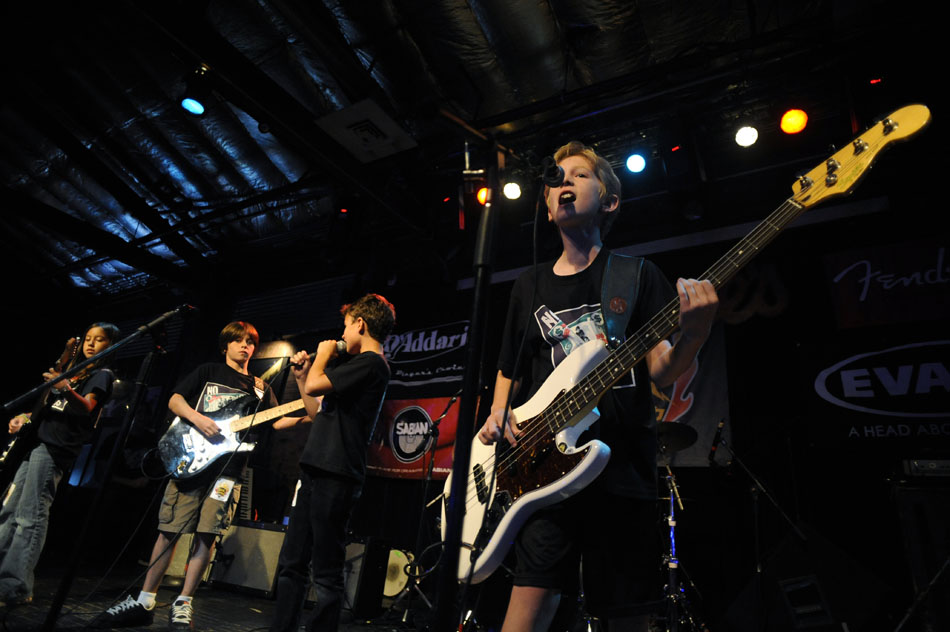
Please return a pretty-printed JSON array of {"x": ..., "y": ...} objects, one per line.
[
  {"x": 179, "y": 617},
  {"x": 124, "y": 615}
]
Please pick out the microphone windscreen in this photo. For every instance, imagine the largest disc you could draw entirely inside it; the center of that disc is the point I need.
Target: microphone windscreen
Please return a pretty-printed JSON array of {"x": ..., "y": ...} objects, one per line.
[{"x": 552, "y": 174}]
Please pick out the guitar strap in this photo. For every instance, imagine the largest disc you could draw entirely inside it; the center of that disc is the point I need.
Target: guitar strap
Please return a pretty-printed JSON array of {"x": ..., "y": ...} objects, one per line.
[{"x": 618, "y": 295}]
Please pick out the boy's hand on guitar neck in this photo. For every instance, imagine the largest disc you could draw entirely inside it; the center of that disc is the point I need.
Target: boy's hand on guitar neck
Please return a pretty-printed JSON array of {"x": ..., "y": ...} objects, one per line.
[{"x": 698, "y": 305}]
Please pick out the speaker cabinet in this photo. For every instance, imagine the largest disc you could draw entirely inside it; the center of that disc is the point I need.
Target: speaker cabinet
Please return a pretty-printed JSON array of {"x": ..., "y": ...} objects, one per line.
[{"x": 246, "y": 557}]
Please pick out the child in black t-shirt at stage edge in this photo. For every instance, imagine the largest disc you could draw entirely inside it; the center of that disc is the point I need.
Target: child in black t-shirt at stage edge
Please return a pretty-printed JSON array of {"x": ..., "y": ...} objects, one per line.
[{"x": 64, "y": 423}]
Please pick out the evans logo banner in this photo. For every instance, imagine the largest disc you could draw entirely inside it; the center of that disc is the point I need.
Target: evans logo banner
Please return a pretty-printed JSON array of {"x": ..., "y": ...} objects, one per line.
[{"x": 911, "y": 381}]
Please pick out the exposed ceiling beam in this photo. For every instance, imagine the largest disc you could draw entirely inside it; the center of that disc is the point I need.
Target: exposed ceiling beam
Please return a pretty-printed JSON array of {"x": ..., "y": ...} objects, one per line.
[
  {"x": 20, "y": 205},
  {"x": 56, "y": 126},
  {"x": 254, "y": 91}
]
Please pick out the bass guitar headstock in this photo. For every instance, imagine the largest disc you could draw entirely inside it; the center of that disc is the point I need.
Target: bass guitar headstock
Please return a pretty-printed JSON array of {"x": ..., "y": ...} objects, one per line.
[{"x": 842, "y": 171}]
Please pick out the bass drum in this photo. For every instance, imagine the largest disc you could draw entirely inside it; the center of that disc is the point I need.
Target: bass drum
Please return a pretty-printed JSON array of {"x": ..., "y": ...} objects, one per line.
[{"x": 396, "y": 575}]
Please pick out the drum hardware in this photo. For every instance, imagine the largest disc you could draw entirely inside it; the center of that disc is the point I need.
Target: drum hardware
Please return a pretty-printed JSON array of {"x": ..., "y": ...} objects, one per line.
[{"x": 676, "y": 607}]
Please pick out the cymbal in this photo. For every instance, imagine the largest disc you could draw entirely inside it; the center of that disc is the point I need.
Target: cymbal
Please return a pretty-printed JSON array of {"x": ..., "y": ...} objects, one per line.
[{"x": 673, "y": 437}]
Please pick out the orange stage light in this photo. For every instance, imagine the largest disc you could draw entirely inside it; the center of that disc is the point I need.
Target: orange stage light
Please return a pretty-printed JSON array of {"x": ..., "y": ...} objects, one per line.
[{"x": 794, "y": 121}]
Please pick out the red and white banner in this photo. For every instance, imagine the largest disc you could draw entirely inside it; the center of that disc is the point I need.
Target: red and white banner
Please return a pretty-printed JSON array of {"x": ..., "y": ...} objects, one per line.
[
  {"x": 404, "y": 444},
  {"x": 699, "y": 399}
]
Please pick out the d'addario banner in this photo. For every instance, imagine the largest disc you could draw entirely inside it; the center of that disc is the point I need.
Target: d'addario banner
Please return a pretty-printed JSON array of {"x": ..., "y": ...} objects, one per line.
[
  {"x": 418, "y": 419},
  {"x": 425, "y": 357}
]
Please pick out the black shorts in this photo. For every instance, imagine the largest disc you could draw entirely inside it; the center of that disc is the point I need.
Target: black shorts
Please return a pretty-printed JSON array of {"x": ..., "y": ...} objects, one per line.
[{"x": 611, "y": 543}]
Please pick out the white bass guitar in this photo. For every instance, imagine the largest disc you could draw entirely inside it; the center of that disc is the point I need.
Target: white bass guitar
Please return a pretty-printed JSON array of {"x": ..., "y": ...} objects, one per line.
[{"x": 547, "y": 465}]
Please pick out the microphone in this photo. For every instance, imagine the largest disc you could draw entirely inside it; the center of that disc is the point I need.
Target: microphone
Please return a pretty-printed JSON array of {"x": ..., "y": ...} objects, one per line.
[
  {"x": 552, "y": 174},
  {"x": 716, "y": 439},
  {"x": 340, "y": 349}
]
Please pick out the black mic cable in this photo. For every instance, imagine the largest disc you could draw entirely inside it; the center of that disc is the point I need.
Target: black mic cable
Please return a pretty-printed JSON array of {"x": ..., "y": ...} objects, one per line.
[{"x": 717, "y": 438}]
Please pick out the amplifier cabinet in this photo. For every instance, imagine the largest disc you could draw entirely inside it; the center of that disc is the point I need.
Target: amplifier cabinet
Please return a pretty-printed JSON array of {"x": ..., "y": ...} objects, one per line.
[{"x": 247, "y": 555}]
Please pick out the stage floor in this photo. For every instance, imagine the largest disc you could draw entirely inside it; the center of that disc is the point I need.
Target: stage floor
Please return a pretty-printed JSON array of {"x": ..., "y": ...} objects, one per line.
[{"x": 217, "y": 608}]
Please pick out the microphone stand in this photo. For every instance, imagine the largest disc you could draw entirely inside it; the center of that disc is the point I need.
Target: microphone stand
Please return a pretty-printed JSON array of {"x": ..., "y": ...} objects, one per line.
[
  {"x": 446, "y": 617},
  {"x": 138, "y": 394},
  {"x": 416, "y": 563},
  {"x": 759, "y": 488}
]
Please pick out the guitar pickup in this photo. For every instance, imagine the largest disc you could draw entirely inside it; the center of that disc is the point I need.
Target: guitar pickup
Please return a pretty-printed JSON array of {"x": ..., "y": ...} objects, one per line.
[{"x": 481, "y": 490}]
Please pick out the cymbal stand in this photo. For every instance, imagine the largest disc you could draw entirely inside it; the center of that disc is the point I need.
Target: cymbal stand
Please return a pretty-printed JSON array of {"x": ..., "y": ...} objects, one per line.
[{"x": 676, "y": 608}]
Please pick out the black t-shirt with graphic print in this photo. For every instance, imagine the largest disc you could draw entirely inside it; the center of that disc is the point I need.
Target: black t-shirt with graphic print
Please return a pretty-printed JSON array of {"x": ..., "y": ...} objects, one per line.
[
  {"x": 565, "y": 314},
  {"x": 210, "y": 387}
]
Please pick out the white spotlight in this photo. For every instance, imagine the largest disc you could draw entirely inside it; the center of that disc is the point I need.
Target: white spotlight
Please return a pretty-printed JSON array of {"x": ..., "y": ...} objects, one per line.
[
  {"x": 512, "y": 190},
  {"x": 746, "y": 136}
]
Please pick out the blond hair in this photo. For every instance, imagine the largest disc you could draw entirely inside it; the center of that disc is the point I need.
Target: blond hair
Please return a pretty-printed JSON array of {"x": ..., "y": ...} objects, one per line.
[{"x": 609, "y": 182}]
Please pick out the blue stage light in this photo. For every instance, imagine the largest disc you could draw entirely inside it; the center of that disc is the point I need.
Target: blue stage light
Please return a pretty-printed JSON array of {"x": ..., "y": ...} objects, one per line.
[{"x": 636, "y": 163}]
